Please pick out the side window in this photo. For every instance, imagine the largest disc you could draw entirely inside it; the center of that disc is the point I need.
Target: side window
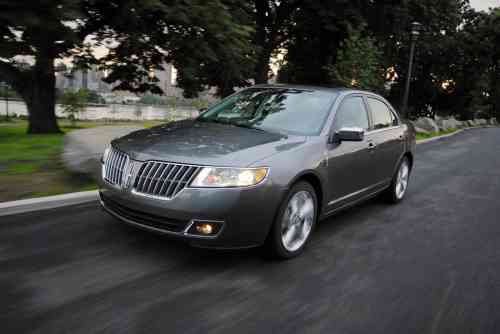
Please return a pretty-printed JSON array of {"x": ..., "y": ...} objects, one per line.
[
  {"x": 382, "y": 115},
  {"x": 351, "y": 114}
]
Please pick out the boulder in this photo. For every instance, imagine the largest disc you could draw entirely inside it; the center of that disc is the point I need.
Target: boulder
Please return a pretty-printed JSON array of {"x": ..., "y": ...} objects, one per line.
[
  {"x": 426, "y": 124},
  {"x": 471, "y": 123},
  {"x": 447, "y": 124},
  {"x": 460, "y": 124},
  {"x": 481, "y": 121}
]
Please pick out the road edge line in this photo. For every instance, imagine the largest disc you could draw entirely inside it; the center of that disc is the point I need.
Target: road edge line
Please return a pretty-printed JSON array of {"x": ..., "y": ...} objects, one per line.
[{"x": 48, "y": 202}]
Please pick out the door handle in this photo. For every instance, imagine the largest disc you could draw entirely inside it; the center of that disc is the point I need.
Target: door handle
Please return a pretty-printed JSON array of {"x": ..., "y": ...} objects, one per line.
[{"x": 371, "y": 146}]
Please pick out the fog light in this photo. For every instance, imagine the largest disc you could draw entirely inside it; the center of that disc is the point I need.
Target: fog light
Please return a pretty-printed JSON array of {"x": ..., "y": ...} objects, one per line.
[{"x": 204, "y": 228}]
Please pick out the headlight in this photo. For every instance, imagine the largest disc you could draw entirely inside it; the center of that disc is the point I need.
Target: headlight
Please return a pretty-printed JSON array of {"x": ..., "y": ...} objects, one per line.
[{"x": 218, "y": 177}]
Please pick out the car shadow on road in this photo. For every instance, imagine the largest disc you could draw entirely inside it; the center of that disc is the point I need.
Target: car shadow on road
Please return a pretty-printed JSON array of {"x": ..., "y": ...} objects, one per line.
[{"x": 165, "y": 247}]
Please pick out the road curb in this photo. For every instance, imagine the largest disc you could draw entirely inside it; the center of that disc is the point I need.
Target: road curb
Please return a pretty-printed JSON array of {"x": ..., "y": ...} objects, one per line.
[
  {"x": 49, "y": 202},
  {"x": 430, "y": 140}
]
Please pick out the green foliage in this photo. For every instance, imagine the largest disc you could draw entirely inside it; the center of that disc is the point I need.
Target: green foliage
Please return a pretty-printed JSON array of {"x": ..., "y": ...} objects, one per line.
[
  {"x": 94, "y": 97},
  {"x": 203, "y": 39},
  {"x": 150, "y": 99},
  {"x": 6, "y": 91},
  {"x": 358, "y": 63},
  {"x": 73, "y": 103},
  {"x": 314, "y": 38}
]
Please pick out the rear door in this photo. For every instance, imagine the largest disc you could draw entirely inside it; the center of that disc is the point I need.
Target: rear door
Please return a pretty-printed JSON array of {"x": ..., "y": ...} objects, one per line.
[
  {"x": 349, "y": 162},
  {"x": 387, "y": 136}
]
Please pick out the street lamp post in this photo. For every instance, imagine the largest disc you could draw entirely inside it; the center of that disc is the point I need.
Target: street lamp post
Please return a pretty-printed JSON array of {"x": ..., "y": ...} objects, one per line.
[{"x": 415, "y": 32}]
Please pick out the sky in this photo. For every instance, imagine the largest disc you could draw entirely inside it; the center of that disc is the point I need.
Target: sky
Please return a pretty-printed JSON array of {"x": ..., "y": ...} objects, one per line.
[{"x": 484, "y": 4}]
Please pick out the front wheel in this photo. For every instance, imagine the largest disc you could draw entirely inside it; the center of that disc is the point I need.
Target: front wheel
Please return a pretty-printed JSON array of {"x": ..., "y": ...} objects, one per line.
[
  {"x": 294, "y": 223},
  {"x": 399, "y": 185}
]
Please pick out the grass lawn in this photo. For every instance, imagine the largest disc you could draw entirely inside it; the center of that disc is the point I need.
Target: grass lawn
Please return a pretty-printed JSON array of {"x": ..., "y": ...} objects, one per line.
[
  {"x": 30, "y": 165},
  {"x": 421, "y": 136}
]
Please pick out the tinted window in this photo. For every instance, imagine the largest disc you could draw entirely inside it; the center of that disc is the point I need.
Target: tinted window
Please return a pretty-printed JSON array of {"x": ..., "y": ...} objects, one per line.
[
  {"x": 351, "y": 114},
  {"x": 382, "y": 116},
  {"x": 294, "y": 111}
]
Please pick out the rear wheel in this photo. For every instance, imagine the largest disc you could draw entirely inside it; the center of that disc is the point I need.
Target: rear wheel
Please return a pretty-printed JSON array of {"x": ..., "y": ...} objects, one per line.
[
  {"x": 295, "y": 222},
  {"x": 399, "y": 185}
]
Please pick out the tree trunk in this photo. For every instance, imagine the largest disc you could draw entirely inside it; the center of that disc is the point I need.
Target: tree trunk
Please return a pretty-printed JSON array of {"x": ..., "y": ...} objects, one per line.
[
  {"x": 40, "y": 97},
  {"x": 262, "y": 67}
]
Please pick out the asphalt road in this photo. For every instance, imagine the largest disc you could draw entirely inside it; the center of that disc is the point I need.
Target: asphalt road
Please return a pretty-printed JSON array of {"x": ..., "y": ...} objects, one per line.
[{"x": 428, "y": 265}]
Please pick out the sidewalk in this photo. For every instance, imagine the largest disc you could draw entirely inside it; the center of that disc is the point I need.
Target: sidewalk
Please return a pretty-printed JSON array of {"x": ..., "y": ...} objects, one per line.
[{"x": 83, "y": 148}]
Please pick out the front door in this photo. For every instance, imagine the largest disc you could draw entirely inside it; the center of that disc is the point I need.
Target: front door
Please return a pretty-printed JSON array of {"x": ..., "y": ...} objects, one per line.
[{"x": 350, "y": 170}]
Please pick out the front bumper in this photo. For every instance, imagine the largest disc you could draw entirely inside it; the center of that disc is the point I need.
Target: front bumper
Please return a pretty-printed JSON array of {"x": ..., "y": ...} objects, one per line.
[{"x": 245, "y": 214}]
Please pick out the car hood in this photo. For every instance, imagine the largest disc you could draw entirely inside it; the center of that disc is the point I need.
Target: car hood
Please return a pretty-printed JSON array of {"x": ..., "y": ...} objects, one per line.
[{"x": 203, "y": 143}]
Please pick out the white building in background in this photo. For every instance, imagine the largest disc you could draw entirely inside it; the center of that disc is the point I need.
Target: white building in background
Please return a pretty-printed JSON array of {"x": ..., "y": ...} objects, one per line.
[{"x": 92, "y": 79}]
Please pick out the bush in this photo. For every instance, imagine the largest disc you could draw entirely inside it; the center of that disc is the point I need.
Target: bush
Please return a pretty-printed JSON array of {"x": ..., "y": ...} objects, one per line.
[
  {"x": 74, "y": 102},
  {"x": 359, "y": 63}
]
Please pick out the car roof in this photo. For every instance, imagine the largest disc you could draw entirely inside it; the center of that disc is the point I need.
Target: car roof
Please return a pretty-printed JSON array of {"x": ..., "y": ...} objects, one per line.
[{"x": 343, "y": 90}]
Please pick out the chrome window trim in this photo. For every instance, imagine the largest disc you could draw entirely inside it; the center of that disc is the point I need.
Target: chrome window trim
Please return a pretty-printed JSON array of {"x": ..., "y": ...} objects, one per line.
[{"x": 383, "y": 129}]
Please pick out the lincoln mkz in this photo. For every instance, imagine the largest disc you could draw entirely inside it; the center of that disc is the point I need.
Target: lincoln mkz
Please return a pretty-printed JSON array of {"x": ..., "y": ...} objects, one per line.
[{"x": 261, "y": 167}]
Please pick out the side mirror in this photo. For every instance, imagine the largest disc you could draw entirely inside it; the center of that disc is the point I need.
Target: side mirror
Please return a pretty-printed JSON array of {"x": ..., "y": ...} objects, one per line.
[{"x": 349, "y": 134}]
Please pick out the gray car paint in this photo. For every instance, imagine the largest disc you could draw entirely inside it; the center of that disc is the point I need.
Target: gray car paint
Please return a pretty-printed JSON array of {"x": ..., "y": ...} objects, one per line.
[{"x": 345, "y": 172}]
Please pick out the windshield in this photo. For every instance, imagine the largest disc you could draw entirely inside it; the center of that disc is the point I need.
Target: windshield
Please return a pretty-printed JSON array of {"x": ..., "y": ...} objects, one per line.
[{"x": 294, "y": 111}]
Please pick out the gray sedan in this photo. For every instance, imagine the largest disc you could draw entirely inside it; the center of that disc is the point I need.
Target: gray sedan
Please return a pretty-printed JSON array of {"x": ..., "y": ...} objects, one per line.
[{"x": 259, "y": 168}]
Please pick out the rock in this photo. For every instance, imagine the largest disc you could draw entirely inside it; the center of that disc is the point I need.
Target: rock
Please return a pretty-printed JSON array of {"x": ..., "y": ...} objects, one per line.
[
  {"x": 481, "y": 121},
  {"x": 447, "y": 124},
  {"x": 83, "y": 148},
  {"x": 492, "y": 121},
  {"x": 427, "y": 124},
  {"x": 471, "y": 123}
]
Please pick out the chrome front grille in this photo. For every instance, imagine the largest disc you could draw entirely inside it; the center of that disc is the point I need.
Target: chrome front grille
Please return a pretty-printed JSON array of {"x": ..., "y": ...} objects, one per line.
[
  {"x": 115, "y": 167},
  {"x": 163, "y": 179}
]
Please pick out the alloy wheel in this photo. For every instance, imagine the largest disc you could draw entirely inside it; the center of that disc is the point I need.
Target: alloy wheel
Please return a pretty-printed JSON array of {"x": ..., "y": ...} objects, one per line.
[
  {"x": 297, "y": 221},
  {"x": 402, "y": 179}
]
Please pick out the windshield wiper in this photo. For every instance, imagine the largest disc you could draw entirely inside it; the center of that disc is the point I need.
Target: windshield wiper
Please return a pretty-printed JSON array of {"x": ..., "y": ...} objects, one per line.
[{"x": 247, "y": 126}]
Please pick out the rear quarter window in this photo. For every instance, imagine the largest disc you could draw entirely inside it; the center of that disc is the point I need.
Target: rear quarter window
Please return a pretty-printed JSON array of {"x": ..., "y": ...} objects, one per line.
[{"x": 382, "y": 116}]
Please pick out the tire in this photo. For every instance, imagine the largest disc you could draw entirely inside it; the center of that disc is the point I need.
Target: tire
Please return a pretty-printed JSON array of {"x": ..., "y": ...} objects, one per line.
[
  {"x": 292, "y": 230},
  {"x": 395, "y": 194}
]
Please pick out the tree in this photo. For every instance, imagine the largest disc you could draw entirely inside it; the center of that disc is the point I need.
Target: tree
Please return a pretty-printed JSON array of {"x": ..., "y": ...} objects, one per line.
[
  {"x": 358, "y": 63},
  {"x": 140, "y": 35},
  {"x": 74, "y": 102},
  {"x": 491, "y": 34},
  {"x": 273, "y": 20},
  {"x": 437, "y": 49},
  {"x": 314, "y": 39}
]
